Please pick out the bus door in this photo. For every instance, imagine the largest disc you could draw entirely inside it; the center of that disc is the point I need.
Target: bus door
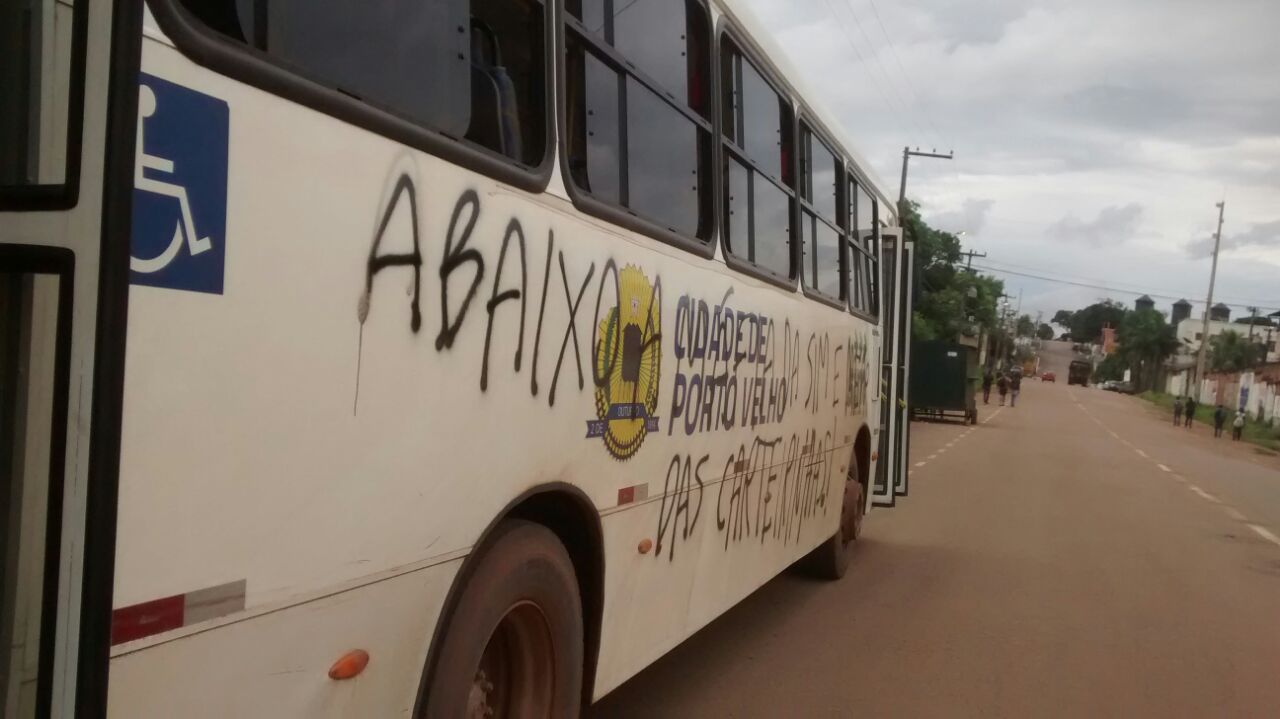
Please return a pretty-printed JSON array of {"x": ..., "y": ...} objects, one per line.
[
  {"x": 897, "y": 261},
  {"x": 882, "y": 489},
  {"x": 66, "y": 144},
  {"x": 902, "y": 405}
]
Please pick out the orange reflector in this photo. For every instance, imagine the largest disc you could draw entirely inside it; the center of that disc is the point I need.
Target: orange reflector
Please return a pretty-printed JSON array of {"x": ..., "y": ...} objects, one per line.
[
  {"x": 349, "y": 665},
  {"x": 875, "y": 456}
]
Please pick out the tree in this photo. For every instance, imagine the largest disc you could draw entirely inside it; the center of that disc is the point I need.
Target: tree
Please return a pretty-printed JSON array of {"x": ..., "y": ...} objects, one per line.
[
  {"x": 1231, "y": 352},
  {"x": 1112, "y": 367},
  {"x": 1026, "y": 327},
  {"x": 1086, "y": 324},
  {"x": 1146, "y": 340},
  {"x": 949, "y": 296},
  {"x": 1044, "y": 332},
  {"x": 1062, "y": 318}
]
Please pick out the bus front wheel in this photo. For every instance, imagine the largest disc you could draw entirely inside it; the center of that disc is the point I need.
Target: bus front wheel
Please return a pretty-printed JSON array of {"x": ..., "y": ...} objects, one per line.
[{"x": 513, "y": 646}]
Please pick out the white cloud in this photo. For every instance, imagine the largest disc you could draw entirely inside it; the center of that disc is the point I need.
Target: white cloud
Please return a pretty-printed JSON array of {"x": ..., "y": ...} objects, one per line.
[
  {"x": 1112, "y": 225},
  {"x": 1151, "y": 109},
  {"x": 1264, "y": 235}
]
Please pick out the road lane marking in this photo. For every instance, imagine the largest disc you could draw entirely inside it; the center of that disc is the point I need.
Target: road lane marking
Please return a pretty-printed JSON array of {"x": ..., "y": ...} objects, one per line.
[
  {"x": 932, "y": 456},
  {"x": 1234, "y": 513},
  {"x": 1164, "y": 468},
  {"x": 1265, "y": 534},
  {"x": 993, "y": 415},
  {"x": 1203, "y": 494},
  {"x": 1142, "y": 454},
  {"x": 922, "y": 463},
  {"x": 1180, "y": 478}
]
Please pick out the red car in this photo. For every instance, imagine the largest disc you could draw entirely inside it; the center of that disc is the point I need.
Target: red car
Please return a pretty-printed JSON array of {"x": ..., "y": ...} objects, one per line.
[{"x": 1048, "y": 377}]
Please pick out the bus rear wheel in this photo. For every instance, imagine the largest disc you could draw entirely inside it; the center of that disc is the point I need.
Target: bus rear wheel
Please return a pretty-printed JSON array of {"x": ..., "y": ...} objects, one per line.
[
  {"x": 831, "y": 558},
  {"x": 513, "y": 645}
]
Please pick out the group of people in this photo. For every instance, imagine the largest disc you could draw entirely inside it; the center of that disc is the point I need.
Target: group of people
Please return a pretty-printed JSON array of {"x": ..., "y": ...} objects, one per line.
[
  {"x": 1184, "y": 412},
  {"x": 1008, "y": 384}
]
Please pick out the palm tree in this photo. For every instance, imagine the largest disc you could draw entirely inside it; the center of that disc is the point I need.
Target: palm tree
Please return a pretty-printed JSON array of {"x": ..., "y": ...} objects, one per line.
[{"x": 1229, "y": 352}]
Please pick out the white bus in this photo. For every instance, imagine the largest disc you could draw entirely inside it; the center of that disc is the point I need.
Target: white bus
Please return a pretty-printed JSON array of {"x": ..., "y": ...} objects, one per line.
[{"x": 419, "y": 357}]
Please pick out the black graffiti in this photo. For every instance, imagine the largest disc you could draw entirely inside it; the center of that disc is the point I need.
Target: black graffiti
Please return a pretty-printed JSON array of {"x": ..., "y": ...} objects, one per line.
[
  {"x": 856, "y": 375},
  {"x": 770, "y": 487},
  {"x": 455, "y": 256},
  {"x": 542, "y": 311},
  {"x": 403, "y": 188},
  {"x": 603, "y": 371},
  {"x": 819, "y": 386},
  {"x": 571, "y": 329},
  {"x": 514, "y": 231},
  {"x": 463, "y": 250},
  {"x": 683, "y": 484}
]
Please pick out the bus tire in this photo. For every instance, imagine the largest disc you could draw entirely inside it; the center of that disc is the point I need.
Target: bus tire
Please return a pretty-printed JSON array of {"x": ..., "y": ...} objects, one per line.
[
  {"x": 830, "y": 560},
  {"x": 513, "y": 646}
]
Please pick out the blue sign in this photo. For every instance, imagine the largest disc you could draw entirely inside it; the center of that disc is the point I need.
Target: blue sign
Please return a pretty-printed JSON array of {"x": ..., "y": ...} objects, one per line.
[{"x": 179, "y": 189}]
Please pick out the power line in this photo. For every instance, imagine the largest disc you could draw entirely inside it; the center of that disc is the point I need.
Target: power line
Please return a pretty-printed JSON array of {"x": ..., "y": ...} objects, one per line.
[
  {"x": 907, "y": 78},
  {"x": 1106, "y": 288},
  {"x": 875, "y": 57},
  {"x": 1234, "y": 301},
  {"x": 844, "y": 32}
]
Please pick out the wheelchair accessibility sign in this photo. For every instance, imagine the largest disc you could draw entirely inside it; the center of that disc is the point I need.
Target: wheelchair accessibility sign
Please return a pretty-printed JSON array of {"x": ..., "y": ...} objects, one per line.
[{"x": 179, "y": 189}]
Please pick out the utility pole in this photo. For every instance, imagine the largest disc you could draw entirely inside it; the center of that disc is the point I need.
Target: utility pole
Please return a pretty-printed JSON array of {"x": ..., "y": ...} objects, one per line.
[
  {"x": 968, "y": 265},
  {"x": 907, "y": 154},
  {"x": 1213, "y": 275},
  {"x": 1253, "y": 317}
]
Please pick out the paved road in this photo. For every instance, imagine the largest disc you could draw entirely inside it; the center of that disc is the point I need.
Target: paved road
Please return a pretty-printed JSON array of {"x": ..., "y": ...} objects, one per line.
[{"x": 1074, "y": 556}]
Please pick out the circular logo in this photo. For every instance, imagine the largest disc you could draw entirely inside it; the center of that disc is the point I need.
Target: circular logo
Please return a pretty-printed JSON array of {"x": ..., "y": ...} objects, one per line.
[{"x": 628, "y": 360}]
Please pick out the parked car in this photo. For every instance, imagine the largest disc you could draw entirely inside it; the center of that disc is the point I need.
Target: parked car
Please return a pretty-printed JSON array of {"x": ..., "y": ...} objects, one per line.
[
  {"x": 1048, "y": 377},
  {"x": 1117, "y": 386}
]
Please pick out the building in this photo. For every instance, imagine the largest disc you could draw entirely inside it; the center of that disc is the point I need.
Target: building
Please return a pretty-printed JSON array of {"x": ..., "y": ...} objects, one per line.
[
  {"x": 1109, "y": 341},
  {"x": 1190, "y": 331}
]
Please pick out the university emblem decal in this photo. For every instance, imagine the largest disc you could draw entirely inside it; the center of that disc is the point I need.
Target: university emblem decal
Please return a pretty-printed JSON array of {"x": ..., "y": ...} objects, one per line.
[{"x": 627, "y": 366}]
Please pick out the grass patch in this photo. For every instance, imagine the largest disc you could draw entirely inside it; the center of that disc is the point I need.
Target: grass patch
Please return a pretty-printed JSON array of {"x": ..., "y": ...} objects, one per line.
[{"x": 1254, "y": 432}]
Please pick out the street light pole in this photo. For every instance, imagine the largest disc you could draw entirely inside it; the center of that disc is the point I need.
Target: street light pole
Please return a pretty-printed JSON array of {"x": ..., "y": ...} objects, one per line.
[{"x": 1213, "y": 276}]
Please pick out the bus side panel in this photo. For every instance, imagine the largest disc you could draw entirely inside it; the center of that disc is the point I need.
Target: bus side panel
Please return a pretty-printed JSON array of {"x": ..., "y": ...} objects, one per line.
[
  {"x": 276, "y": 664},
  {"x": 728, "y": 516},
  {"x": 351, "y": 397}
]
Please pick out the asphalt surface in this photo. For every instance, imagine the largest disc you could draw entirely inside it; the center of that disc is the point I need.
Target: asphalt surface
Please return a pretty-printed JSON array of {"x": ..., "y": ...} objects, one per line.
[{"x": 1073, "y": 556}]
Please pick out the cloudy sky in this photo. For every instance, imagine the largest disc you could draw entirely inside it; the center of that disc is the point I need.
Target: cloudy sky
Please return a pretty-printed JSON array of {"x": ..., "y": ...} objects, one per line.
[{"x": 1092, "y": 137}]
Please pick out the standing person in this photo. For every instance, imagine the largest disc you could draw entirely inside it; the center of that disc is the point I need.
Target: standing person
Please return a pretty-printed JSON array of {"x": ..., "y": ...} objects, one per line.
[
  {"x": 1002, "y": 385},
  {"x": 1177, "y": 411},
  {"x": 987, "y": 380},
  {"x": 1015, "y": 386},
  {"x": 1219, "y": 420},
  {"x": 1237, "y": 426},
  {"x": 1190, "y": 411}
]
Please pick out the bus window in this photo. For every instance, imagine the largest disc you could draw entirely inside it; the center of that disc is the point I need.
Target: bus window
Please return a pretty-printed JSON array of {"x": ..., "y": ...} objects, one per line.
[
  {"x": 757, "y": 143},
  {"x": 636, "y": 98},
  {"x": 473, "y": 70},
  {"x": 821, "y": 246},
  {"x": 35, "y": 93},
  {"x": 863, "y": 248}
]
